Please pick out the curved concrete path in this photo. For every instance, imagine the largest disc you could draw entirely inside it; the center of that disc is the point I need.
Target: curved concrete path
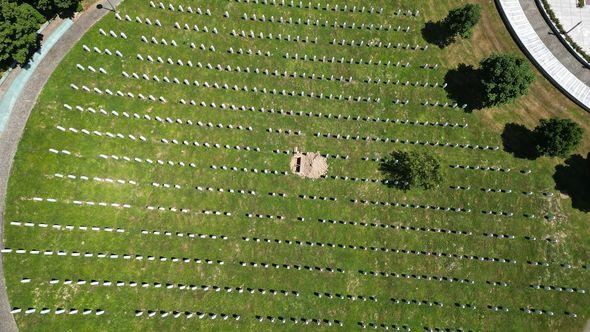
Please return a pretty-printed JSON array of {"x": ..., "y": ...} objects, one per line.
[
  {"x": 17, "y": 119},
  {"x": 544, "y": 48}
]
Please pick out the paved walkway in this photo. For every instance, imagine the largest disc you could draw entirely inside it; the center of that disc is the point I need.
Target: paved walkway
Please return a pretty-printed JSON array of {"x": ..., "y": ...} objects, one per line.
[
  {"x": 15, "y": 124},
  {"x": 575, "y": 20},
  {"x": 11, "y": 95},
  {"x": 546, "y": 50}
]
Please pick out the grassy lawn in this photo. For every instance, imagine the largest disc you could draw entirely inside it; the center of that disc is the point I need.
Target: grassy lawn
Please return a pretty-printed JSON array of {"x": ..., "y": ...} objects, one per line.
[{"x": 447, "y": 265}]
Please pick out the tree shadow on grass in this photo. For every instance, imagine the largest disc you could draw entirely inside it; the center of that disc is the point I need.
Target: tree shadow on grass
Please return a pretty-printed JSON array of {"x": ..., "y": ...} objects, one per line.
[
  {"x": 572, "y": 179},
  {"x": 520, "y": 141},
  {"x": 464, "y": 87},
  {"x": 437, "y": 33},
  {"x": 393, "y": 178}
]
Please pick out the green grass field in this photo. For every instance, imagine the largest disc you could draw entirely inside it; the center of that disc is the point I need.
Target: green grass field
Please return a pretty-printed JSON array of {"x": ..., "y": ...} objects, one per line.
[{"x": 394, "y": 265}]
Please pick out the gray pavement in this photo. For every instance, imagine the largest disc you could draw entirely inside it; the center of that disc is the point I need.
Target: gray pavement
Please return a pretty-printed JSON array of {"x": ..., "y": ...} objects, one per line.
[
  {"x": 575, "y": 20},
  {"x": 553, "y": 43},
  {"x": 14, "y": 128},
  {"x": 534, "y": 35}
]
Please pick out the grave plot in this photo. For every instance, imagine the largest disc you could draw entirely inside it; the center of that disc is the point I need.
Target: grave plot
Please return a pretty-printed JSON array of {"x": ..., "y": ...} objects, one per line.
[{"x": 215, "y": 165}]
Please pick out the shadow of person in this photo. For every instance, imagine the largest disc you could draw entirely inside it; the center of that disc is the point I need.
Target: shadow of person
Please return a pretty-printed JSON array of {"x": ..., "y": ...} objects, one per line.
[
  {"x": 572, "y": 179},
  {"x": 464, "y": 86},
  {"x": 519, "y": 141},
  {"x": 437, "y": 33}
]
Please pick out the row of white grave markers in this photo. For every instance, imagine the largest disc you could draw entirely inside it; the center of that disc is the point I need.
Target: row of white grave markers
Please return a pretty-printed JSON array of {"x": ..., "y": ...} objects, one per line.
[
  {"x": 211, "y": 145},
  {"x": 261, "y": 216},
  {"x": 186, "y": 210},
  {"x": 79, "y": 202},
  {"x": 426, "y": 229},
  {"x": 99, "y": 51},
  {"x": 319, "y": 6},
  {"x": 319, "y": 198},
  {"x": 165, "y": 140},
  {"x": 350, "y": 297},
  {"x": 309, "y": 268},
  {"x": 405, "y": 141},
  {"x": 385, "y": 326},
  {"x": 437, "y": 329},
  {"x": 102, "y": 134},
  {"x": 273, "y": 265},
  {"x": 229, "y": 190},
  {"x": 56, "y": 151},
  {"x": 246, "y": 70},
  {"x": 68, "y": 227},
  {"x": 87, "y": 254},
  {"x": 393, "y": 226},
  {"x": 187, "y": 235},
  {"x": 92, "y": 69},
  {"x": 379, "y": 44},
  {"x": 112, "y": 34},
  {"x": 410, "y": 205},
  {"x": 284, "y": 131},
  {"x": 171, "y": 285},
  {"x": 185, "y": 314},
  {"x": 418, "y": 84},
  {"x": 202, "y": 47},
  {"x": 245, "y": 88},
  {"x": 245, "y": 170},
  {"x": 323, "y": 24},
  {"x": 277, "y": 73},
  {"x": 465, "y": 281},
  {"x": 308, "y": 114},
  {"x": 381, "y": 249},
  {"x": 95, "y": 178},
  {"x": 354, "y": 179},
  {"x": 427, "y": 303},
  {"x": 249, "y": 51},
  {"x": 139, "y": 20},
  {"x": 299, "y": 320},
  {"x": 57, "y": 311},
  {"x": 434, "y": 254},
  {"x": 196, "y": 28},
  {"x": 440, "y": 104},
  {"x": 154, "y": 40},
  {"x": 118, "y": 93},
  {"x": 181, "y": 9},
  {"x": 279, "y": 36},
  {"x": 351, "y": 61},
  {"x": 558, "y": 288}
]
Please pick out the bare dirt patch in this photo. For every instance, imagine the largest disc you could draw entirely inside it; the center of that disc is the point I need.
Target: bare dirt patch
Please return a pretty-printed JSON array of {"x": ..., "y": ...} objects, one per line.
[{"x": 309, "y": 164}]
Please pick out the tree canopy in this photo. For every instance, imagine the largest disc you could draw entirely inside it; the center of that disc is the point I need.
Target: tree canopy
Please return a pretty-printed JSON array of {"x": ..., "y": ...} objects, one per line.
[
  {"x": 504, "y": 78},
  {"x": 50, "y": 8},
  {"x": 557, "y": 137},
  {"x": 408, "y": 170},
  {"x": 18, "y": 31},
  {"x": 460, "y": 21}
]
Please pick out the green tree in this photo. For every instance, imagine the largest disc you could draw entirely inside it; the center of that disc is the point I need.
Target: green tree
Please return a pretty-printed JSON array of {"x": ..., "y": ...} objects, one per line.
[
  {"x": 18, "y": 31},
  {"x": 504, "y": 78},
  {"x": 407, "y": 170},
  {"x": 460, "y": 21},
  {"x": 557, "y": 137},
  {"x": 50, "y": 8}
]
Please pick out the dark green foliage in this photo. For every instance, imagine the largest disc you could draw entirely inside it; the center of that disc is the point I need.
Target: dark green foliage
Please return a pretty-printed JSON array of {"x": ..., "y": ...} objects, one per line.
[
  {"x": 408, "y": 170},
  {"x": 557, "y": 137},
  {"x": 504, "y": 78},
  {"x": 571, "y": 178},
  {"x": 460, "y": 21},
  {"x": 50, "y": 8},
  {"x": 18, "y": 31}
]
